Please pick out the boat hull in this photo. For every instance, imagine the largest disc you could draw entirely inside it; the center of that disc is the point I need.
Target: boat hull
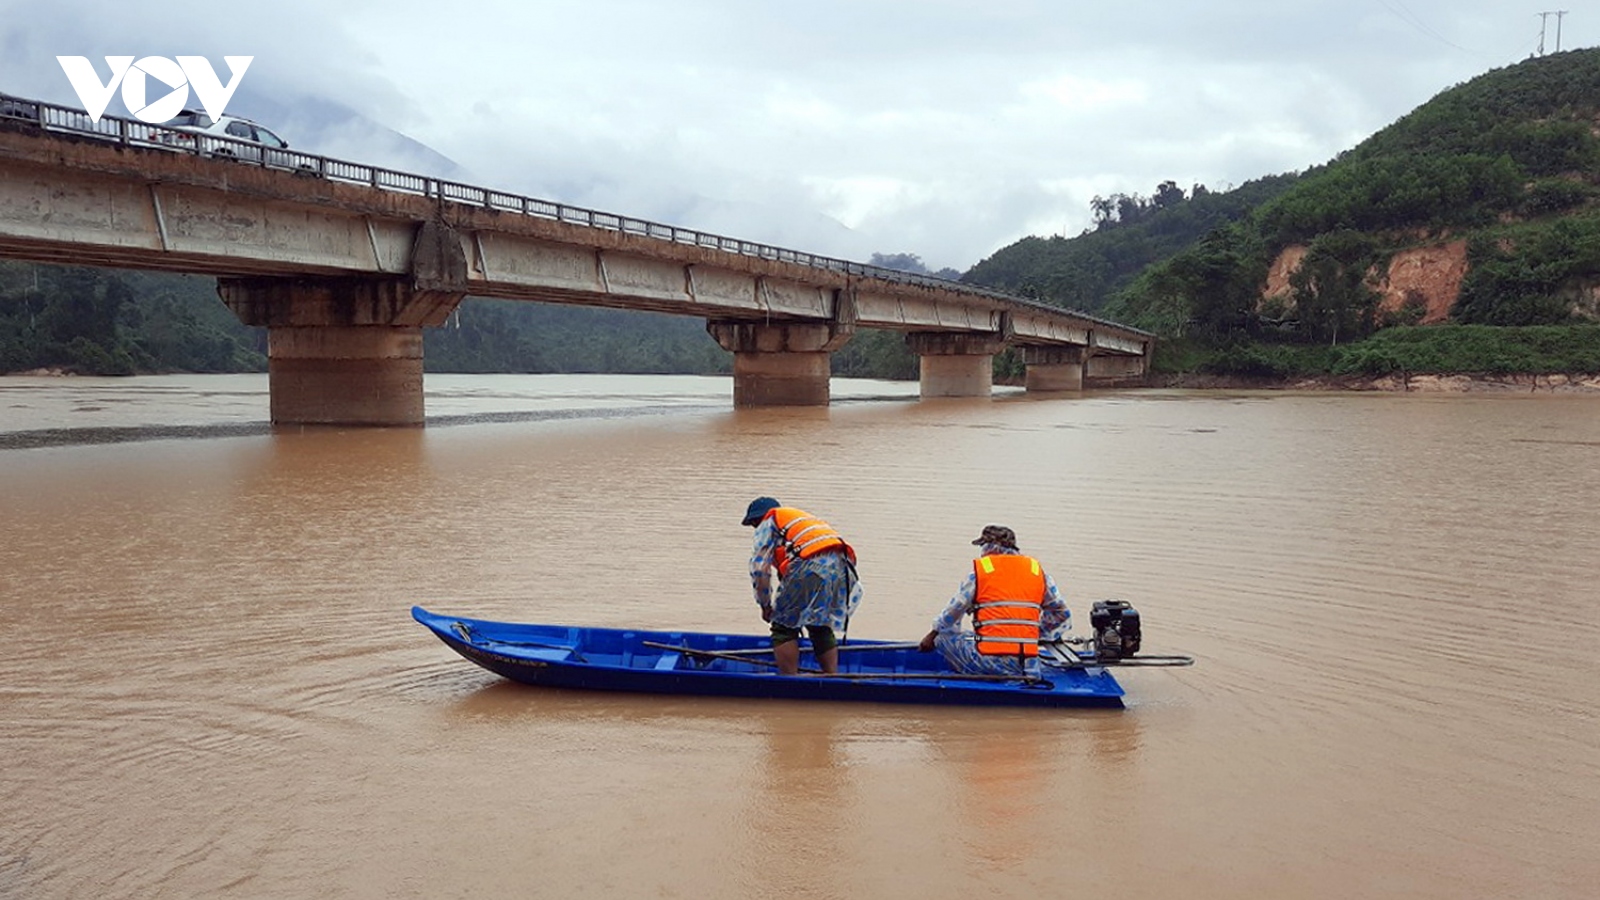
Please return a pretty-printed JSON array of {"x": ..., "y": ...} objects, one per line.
[{"x": 630, "y": 660}]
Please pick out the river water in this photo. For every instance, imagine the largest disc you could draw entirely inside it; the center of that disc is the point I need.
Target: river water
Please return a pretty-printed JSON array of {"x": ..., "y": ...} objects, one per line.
[{"x": 211, "y": 685}]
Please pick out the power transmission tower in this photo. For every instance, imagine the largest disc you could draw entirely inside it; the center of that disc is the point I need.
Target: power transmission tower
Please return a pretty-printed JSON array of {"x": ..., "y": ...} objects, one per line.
[{"x": 1544, "y": 18}]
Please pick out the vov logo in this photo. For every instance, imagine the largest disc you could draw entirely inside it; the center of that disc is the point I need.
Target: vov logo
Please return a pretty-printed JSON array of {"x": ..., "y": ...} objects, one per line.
[{"x": 134, "y": 77}]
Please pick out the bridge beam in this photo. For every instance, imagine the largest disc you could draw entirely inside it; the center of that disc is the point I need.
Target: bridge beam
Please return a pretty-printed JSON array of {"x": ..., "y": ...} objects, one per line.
[
  {"x": 1053, "y": 368},
  {"x": 955, "y": 364},
  {"x": 341, "y": 351},
  {"x": 779, "y": 365}
]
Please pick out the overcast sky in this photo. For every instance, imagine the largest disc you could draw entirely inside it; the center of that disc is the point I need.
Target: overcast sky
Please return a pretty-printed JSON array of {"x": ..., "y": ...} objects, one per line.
[{"x": 945, "y": 128}]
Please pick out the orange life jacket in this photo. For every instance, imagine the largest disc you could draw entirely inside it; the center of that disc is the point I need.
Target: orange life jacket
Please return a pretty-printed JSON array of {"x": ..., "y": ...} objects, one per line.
[
  {"x": 803, "y": 536},
  {"x": 1009, "y": 602}
]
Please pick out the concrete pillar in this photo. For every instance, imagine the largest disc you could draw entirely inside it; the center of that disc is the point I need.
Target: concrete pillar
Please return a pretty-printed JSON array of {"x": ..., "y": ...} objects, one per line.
[
  {"x": 955, "y": 364},
  {"x": 348, "y": 351},
  {"x": 1110, "y": 371},
  {"x": 341, "y": 351},
  {"x": 361, "y": 375},
  {"x": 779, "y": 365},
  {"x": 1053, "y": 368}
]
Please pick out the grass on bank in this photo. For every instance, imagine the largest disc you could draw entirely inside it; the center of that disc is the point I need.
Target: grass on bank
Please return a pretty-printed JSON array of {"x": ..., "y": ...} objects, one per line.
[{"x": 1405, "y": 350}]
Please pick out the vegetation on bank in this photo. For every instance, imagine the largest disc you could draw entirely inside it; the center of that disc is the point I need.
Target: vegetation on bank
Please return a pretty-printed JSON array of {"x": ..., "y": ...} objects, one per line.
[
  {"x": 105, "y": 322},
  {"x": 111, "y": 322},
  {"x": 1402, "y": 350}
]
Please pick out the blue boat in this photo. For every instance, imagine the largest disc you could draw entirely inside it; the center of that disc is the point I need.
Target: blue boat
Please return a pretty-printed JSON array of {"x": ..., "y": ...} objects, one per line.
[{"x": 734, "y": 665}]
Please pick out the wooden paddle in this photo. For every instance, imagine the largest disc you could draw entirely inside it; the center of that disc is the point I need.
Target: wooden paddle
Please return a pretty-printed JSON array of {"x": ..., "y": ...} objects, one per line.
[
  {"x": 733, "y": 655},
  {"x": 843, "y": 648},
  {"x": 935, "y": 676},
  {"x": 736, "y": 656}
]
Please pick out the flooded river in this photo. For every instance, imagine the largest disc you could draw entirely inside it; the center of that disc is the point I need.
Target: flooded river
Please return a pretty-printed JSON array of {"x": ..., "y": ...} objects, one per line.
[{"x": 211, "y": 685}]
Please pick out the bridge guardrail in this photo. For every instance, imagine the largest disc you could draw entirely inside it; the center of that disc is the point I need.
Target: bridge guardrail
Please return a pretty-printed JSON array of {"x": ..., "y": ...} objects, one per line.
[{"x": 52, "y": 117}]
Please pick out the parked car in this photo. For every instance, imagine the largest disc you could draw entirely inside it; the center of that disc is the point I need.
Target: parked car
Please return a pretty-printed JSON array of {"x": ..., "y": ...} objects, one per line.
[
  {"x": 229, "y": 136},
  {"x": 18, "y": 108}
]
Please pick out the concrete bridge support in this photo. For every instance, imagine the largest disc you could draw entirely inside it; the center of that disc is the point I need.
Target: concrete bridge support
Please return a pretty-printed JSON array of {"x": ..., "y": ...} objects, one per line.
[
  {"x": 348, "y": 350},
  {"x": 955, "y": 364},
  {"x": 1110, "y": 371},
  {"x": 341, "y": 351},
  {"x": 779, "y": 365},
  {"x": 1053, "y": 368}
]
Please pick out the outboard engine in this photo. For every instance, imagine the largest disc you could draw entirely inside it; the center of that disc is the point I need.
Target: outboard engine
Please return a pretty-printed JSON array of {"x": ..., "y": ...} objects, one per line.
[{"x": 1116, "y": 629}]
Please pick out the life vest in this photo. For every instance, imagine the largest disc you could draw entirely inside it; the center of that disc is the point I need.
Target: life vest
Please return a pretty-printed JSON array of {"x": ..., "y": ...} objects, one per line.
[
  {"x": 803, "y": 536},
  {"x": 1009, "y": 601}
]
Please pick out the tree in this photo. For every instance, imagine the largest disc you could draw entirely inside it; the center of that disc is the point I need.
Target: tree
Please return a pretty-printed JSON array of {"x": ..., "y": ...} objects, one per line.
[
  {"x": 1330, "y": 288},
  {"x": 1168, "y": 195}
]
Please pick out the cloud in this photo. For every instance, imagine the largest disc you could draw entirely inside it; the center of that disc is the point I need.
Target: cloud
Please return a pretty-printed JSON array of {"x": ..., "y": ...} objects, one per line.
[{"x": 945, "y": 128}]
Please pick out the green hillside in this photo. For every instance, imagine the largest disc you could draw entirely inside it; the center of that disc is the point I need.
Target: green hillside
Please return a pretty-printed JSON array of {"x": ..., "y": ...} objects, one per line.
[
  {"x": 1507, "y": 163},
  {"x": 106, "y": 322},
  {"x": 1131, "y": 232},
  {"x": 113, "y": 322}
]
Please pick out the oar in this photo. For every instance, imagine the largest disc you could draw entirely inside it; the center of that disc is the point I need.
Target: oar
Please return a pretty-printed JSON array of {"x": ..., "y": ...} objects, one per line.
[
  {"x": 1145, "y": 661},
  {"x": 716, "y": 654},
  {"x": 933, "y": 676},
  {"x": 903, "y": 645},
  {"x": 843, "y": 648},
  {"x": 903, "y": 676}
]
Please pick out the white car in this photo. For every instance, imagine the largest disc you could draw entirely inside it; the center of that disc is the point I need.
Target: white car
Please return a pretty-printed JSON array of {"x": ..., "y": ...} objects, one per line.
[{"x": 227, "y": 136}]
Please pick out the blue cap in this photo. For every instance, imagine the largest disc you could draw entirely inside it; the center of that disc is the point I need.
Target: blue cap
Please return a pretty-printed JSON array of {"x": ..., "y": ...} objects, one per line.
[{"x": 758, "y": 508}]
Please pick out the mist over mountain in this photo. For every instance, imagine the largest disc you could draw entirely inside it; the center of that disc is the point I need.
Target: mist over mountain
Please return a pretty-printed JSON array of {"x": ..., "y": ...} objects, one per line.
[{"x": 328, "y": 128}]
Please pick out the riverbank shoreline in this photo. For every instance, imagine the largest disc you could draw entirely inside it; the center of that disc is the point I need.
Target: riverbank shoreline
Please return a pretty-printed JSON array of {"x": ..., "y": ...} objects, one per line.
[{"x": 1559, "y": 383}]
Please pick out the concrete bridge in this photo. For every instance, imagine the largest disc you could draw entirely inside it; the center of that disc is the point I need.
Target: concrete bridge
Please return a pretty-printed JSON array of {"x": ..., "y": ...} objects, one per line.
[{"x": 344, "y": 264}]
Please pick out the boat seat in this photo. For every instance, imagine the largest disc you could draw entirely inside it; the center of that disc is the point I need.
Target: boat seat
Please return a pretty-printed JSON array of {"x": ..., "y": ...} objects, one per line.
[{"x": 668, "y": 661}]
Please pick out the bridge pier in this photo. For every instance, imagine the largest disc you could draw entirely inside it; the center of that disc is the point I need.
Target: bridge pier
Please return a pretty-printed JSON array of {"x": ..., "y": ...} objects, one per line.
[
  {"x": 779, "y": 365},
  {"x": 955, "y": 364},
  {"x": 1053, "y": 368},
  {"x": 341, "y": 351},
  {"x": 1116, "y": 371}
]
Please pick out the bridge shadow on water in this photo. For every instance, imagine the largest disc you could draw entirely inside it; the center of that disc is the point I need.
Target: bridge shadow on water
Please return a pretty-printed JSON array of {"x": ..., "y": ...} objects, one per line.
[{"x": 93, "y": 435}]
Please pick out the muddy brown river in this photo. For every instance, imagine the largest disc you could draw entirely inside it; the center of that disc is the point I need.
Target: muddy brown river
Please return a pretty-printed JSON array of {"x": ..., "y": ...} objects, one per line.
[{"x": 211, "y": 685}]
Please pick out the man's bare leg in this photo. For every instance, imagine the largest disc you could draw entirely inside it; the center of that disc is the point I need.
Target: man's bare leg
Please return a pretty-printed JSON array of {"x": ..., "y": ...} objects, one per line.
[
  {"x": 829, "y": 661},
  {"x": 788, "y": 654}
]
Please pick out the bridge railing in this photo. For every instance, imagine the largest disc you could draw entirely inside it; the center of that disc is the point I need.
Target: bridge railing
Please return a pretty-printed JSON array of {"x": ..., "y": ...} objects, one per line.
[{"x": 134, "y": 132}]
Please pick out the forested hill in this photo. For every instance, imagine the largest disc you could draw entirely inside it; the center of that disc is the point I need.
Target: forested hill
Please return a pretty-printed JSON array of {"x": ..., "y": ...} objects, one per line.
[
  {"x": 1493, "y": 184},
  {"x": 1130, "y": 232},
  {"x": 111, "y": 322},
  {"x": 1495, "y": 179}
]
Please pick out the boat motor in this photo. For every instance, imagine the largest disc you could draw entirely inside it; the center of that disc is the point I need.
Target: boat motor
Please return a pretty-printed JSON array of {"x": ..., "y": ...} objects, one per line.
[{"x": 1116, "y": 629}]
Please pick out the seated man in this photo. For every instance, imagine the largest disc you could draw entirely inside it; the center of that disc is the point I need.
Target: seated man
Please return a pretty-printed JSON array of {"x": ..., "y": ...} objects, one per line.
[{"x": 1014, "y": 605}]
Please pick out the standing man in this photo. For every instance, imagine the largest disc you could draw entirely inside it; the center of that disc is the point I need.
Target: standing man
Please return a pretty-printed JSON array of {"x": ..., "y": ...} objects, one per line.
[
  {"x": 1014, "y": 605},
  {"x": 817, "y": 585}
]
